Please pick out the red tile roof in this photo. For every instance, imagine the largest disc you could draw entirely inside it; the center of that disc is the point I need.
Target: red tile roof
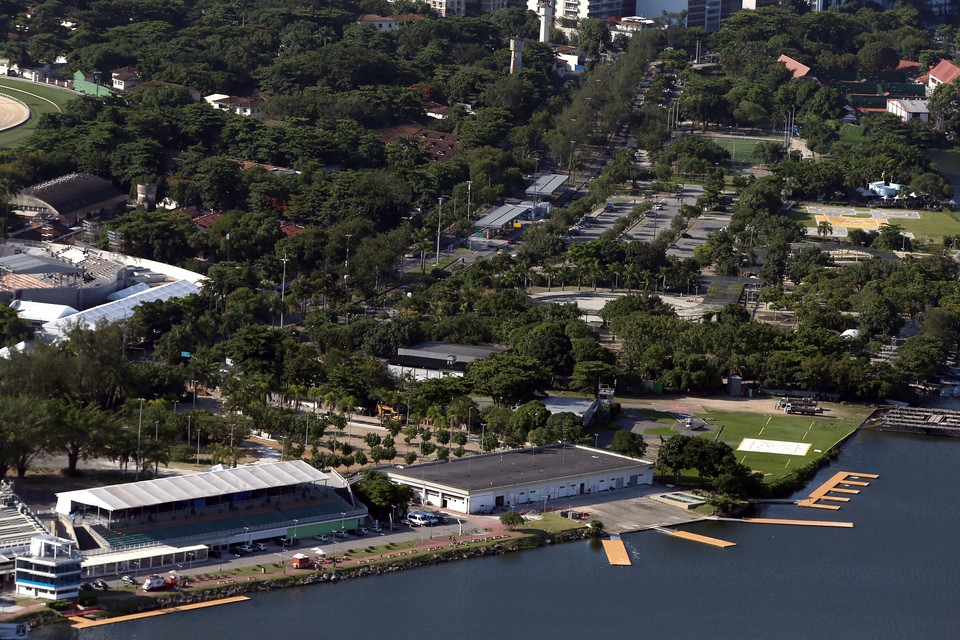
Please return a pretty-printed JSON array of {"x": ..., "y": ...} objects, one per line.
[
  {"x": 796, "y": 69},
  {"x": 208, "y": 220},
  {"x": 441, "y": 146},
  {"x": 945, "y": 71},
  {"x": 909, "y": 67},
  {"x": 291, "y": 229}
]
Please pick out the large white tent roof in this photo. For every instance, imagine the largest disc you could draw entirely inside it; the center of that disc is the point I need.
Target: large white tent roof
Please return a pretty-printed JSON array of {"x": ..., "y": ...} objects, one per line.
[
  {"x": 120, "y": 309},
  {"x": 200, "y": 485}
]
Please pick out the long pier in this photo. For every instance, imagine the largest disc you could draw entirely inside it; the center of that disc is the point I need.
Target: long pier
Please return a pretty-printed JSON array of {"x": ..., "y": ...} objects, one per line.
[{"x": 85, "y": 624}]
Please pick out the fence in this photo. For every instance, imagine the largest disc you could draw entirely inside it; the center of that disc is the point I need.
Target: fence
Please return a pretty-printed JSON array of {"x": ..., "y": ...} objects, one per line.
[
  {"x": 22, "y": 104},
  {"x": 301, "y": 522}
]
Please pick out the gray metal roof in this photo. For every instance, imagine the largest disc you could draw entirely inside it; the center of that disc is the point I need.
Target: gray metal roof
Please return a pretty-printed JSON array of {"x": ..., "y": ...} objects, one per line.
[
  {"x": 26, "y": 263},
  {"x": 443, "y": 350},
  {"x": 502, "y": 216},
  {"x": 523, "y": 466},
  {"x": 547, "y": 184},
  {"x": 123, "y": 308},
  {"x": 73, "y": 192},
  {"x": 200, "y": 485}
]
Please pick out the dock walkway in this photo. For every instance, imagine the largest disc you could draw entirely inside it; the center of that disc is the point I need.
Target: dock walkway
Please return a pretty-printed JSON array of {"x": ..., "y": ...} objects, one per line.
[
  {"x": 831, "y": 485},
  {"x": 85, "y": 624}
]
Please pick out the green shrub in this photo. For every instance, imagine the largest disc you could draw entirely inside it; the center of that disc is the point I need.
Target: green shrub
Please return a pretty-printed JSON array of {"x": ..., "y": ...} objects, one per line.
[{"x": 59, "y": 605}]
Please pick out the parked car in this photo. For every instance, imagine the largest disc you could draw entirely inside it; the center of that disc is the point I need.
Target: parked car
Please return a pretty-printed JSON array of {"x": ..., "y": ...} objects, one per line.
[
  {"x": 127, "y": 580},
  {"x": 86, "y": 586},
  {"x": 356, "y": 533},
  {"x": 100, "y": 584},
  {"x": 340, "y": 533},
  {"x": 259, "y": 546},
  {"x": 321, "y": 538},
  {"x": 213, "y": 553}
]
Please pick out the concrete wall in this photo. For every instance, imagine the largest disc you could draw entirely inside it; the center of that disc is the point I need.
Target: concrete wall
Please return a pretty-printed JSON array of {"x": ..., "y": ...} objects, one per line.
[{"x": 552, "y": 490}]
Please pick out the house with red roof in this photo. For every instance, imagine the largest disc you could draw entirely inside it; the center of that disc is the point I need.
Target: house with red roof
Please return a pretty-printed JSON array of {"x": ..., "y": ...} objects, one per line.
[
  {"x": 796, "y": 69},
  {"x": 945, "y": 72}
]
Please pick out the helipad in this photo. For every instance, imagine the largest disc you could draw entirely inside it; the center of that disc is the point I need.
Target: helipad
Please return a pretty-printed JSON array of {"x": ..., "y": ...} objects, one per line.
[{"x": 774, "y": 446}]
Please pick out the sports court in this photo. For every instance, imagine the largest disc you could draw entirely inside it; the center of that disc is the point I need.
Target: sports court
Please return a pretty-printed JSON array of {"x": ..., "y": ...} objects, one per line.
[{"x": 842, "y": 219}]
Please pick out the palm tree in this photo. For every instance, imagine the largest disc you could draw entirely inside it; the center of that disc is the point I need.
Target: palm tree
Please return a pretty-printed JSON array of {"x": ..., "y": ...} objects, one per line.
[
  {"x": 664, "y": 272},
  {"x": 614, "y": 271},
  {"x": 550, "y": 272},
  {"x": 824, "y": 229},
  {"x": 631, "y": 272}
]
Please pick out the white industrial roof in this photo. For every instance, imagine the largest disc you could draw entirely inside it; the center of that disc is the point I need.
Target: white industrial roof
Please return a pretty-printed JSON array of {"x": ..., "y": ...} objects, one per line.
[
  {"x": 123, "y": 308},
  {"x": 129, "y": 291},
  {"x": 41, "y": 311},
  {"x": 200, "y": 485},
  {"x": 141, "y": 553},
  {"x": 502, "y": 216},
  {"x": 546, "y": 185}
]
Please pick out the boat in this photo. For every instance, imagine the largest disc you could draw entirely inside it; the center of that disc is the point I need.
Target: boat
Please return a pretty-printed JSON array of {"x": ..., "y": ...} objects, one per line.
[
  {"x": 153, "y": 583},
  {"x": 13, "y": 630}
]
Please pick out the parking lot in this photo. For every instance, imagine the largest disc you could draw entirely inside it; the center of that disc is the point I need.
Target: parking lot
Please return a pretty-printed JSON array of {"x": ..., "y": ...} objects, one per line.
[{"x": 696, "y": 235}]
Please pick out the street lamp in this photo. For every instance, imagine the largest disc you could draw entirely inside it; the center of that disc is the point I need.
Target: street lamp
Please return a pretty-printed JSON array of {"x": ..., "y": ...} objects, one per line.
[
  {"x": 439, "y": 218},
  {"x": 573, "y": 146},
  {"x": 198, "y": 446},
  {"x": 246, "y": 533},
  {"x": 139, "y": 431},
  {"x": 283, "y": 287},
  {"x": 469, "y": 198},
  {"x": 295, "y": 523}
]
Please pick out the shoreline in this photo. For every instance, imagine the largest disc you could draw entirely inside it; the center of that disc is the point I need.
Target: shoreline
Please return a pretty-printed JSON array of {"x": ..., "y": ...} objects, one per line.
[{"x": 216, "y": 593}]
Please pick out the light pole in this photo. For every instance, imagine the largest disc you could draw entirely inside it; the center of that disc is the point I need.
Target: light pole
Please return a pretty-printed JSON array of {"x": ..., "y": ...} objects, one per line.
[
  {"x": 573, "y": 147},
  {"x": 198, "y": 446},
  {"x": 469, "y": 196},
  {"x": 139, "y": 431},
  {"x": 246, "y": 533},
  {"x": 439, "y": 218},
  {"x": 283, "y": 287},
  {"x": 346, "y": 268},
  {"x": 295, "y": 523}
]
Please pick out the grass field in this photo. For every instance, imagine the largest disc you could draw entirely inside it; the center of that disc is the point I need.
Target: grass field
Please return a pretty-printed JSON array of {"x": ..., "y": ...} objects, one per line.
[
  {"x": 822, "y": 432},
  {"x": 931, "y": 225},
  {"x": 741, "y": 149},
  {"x": 38, "y": 98}
]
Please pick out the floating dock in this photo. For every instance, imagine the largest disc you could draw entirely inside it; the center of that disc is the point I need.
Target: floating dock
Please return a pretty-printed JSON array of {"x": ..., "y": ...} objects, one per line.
[
  {"x": 821, "y": 492},
  {"x": 696, "y": 537},
  {"x": 802, "y": 523},
  {"x": 616, "y": 553},
  {"x": 85, "y": 624}
]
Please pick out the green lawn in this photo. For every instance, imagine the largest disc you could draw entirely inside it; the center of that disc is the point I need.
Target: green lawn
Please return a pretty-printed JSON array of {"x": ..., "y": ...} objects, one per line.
[
  {"x": 822, "y": 432},
  {"x": 38, "y": 98},
  {"x": 741, "y": 149}
]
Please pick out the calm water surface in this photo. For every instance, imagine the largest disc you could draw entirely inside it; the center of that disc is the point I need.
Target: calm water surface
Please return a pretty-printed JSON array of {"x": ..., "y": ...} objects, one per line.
[{"x": 895, "y": 575}]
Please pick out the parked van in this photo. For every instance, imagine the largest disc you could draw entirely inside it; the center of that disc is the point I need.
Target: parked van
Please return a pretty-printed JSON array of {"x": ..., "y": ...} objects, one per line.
[{"x": 421, "y": 519}]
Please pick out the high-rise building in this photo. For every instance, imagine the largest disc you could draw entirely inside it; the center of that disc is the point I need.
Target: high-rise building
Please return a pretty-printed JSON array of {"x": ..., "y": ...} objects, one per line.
[
  {"x": 579, "y": 9},
  {"x": 710, "y": 13}
]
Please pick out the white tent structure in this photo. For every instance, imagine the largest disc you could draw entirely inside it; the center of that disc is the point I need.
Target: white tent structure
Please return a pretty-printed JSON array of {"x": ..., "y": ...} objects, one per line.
[{"x": 149, "y": 493}]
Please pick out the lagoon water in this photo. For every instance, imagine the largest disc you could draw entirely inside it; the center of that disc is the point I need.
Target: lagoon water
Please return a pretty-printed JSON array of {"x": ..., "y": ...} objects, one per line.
[{"x": 895, "y": 575}]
